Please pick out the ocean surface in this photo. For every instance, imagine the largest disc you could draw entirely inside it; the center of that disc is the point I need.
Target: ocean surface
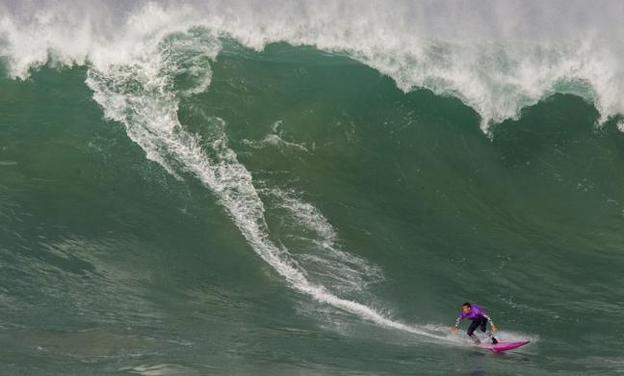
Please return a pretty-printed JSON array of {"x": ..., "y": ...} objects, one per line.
[{"x": 310, "y": 187}]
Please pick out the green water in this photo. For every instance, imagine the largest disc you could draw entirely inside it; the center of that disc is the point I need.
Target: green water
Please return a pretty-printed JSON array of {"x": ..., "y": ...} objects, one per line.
[{"x": 110, "y": 264}]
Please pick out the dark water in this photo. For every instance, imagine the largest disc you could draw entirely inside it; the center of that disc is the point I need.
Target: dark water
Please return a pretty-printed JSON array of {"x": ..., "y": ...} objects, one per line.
[{"x": 224, "y": 232}]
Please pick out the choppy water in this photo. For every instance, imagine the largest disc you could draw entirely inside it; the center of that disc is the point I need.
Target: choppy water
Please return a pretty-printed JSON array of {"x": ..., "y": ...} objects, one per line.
[{"x": 309, "y": 188}]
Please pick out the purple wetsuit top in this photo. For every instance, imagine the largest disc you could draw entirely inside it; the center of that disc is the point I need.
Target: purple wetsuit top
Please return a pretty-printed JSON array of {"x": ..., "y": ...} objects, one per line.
[{"x": 475, "y": 313}]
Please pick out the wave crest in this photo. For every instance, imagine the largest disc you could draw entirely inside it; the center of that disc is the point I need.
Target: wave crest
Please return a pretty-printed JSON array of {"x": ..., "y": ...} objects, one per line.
[{"x": 497, "y": 57}]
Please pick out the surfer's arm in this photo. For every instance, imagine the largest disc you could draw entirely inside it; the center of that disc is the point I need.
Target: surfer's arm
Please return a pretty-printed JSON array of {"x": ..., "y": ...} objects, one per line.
[
  {"x": 457, "y": 321},
  {"x": 455, "y": 329},
  {"x": 491, "y": 322}
]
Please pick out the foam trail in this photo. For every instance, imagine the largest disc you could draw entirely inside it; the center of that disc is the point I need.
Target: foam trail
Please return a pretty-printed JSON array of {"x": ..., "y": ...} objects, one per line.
[
  {"x": 322, "y": 257},
  {"x": 141, "y": 98}
]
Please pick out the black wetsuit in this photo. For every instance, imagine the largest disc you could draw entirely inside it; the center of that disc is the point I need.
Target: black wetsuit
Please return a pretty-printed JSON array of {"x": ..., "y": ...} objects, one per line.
[{"x": 480, "y": 323}]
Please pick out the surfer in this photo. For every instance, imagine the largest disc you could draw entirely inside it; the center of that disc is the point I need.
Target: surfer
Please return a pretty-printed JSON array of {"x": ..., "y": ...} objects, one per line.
[{"x": 479, "y": 317}]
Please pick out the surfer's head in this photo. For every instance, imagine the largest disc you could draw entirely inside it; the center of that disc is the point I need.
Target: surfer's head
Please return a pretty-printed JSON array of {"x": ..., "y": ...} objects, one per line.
[{"x": 466, "y": 307}]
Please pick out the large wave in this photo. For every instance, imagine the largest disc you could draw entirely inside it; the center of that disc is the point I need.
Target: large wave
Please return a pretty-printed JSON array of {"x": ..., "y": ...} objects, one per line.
[{"x": 143, "y": 59}]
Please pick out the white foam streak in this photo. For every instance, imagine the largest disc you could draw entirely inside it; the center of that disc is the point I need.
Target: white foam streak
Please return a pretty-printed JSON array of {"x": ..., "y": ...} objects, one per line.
[
  {"x": 322, "y": 257},
  {"x": 141, "y": 97}
]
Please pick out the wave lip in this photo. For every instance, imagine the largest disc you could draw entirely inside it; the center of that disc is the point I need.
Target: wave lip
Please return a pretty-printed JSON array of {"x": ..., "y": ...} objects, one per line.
[{"x": 497, "y": 57}]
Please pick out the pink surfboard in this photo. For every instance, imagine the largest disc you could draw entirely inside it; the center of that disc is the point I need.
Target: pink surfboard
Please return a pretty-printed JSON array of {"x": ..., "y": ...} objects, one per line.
[{"x": 503, "y": 346}]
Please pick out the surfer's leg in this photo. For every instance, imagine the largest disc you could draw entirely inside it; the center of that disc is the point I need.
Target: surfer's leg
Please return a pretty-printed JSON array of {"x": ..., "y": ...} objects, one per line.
[
  {"x": 483, "y": 324},
  {"x": 473, "y": 326}
]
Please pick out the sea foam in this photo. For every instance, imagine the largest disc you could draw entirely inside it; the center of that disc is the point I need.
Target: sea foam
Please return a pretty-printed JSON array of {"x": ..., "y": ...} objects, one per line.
[{"x": 497, "y": 57}]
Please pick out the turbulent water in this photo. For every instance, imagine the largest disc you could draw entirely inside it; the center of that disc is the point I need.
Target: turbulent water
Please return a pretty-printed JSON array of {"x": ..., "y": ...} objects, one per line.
[{"x": 312, "y": 188}]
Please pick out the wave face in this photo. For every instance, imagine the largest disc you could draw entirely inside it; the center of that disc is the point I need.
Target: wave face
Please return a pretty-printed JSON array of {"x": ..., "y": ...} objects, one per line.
[{"x": 182, "y": 183}]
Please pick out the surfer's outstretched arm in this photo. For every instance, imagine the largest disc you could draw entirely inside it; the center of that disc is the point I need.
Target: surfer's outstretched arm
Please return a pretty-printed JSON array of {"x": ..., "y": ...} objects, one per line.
[{"x": 456, "y": 327}]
